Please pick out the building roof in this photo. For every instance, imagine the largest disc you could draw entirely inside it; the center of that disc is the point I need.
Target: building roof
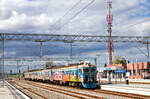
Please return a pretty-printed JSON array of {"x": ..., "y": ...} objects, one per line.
[{"x": 115, "y": 65}]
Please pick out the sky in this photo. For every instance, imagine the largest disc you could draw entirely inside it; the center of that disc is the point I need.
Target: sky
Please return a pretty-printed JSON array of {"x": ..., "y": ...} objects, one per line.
[{"x": 130, "y": 18}]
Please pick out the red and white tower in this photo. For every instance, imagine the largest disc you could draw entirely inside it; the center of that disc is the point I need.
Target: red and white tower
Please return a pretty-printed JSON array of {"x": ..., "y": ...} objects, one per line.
[{"x": 109, "y": 29}]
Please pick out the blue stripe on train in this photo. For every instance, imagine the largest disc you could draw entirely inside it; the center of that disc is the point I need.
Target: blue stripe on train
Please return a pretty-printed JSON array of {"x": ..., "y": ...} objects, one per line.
[{"x": 91, "y": 85}]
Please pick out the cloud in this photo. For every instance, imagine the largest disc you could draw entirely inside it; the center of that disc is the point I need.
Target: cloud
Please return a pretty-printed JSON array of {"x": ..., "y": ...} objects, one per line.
[
  {"x": 130, "y": 17},
  {"x": 38, "y": 16}
]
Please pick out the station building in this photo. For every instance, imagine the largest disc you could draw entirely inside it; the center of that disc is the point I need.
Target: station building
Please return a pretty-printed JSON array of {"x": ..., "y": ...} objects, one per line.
[
  {"x": 115, "y": 71},
  {"x": 139, "y": 70}
]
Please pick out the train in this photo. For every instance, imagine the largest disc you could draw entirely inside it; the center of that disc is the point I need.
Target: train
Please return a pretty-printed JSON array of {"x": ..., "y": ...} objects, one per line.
[{"x": 82, "y": 74}]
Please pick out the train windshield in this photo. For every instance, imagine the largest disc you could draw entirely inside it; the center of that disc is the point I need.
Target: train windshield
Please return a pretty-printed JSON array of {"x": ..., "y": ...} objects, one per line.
[
  {"x": 89, "y": 70},
  {"x": 93, "y": 69},
  {"x": 86, "y": 70}
]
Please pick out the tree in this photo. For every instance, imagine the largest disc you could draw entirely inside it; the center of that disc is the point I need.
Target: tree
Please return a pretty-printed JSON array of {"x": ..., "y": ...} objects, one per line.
[
  {"x": 119, "y": 60},
  {"x": 105, "y": 65}
]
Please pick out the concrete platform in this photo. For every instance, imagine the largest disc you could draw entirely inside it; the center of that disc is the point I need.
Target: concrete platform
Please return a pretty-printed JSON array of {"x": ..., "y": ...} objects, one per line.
[
  {"x": 127, "y": 89},
  {"x": 130, "y": 80},
  {"x": 9, "y": 92},
  {"x": 5, "y": 93}
]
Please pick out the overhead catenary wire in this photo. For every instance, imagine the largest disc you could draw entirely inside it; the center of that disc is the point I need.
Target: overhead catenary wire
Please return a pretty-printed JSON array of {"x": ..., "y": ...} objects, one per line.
[
  {"x": 133, "y": 25},
  {"x": 142, "y": 51},
  {"x": 59, "y": 20},
  {"x": 31, "y": 49},
  {"x": 76, "y": 14}
]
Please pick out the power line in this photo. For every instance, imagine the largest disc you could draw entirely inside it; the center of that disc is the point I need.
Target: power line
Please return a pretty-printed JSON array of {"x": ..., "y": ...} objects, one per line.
[
  {"x": 30, "y": 47},
  {"x": 136, "y": 15},
  {"x": 67, "y": 12},
  {"x": 76, "y": 14},
  {"x": 141, "y": 51},
  {"x": 133, "y": 25}
]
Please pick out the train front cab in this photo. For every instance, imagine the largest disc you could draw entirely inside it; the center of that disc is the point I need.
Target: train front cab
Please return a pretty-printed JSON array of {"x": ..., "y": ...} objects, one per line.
[{"x": 89, "y": 77}]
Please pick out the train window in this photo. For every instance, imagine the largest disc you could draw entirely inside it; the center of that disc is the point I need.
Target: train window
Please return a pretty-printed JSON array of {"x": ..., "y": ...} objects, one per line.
[
  {"x": 93, "y": 69},
  {"x": 86, "y": 70},
  {"x": 86, "y": 79},
  {"x": 80, "y": 71},
  {"x": 86, "y": 76}
]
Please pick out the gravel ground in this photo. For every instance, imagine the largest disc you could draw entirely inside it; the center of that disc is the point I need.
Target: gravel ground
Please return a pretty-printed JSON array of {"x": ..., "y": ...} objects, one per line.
[
  {"x": 55, "y": 95},
  {"x": 46, "y": 93},
  {"x": 107, "y": 96}
]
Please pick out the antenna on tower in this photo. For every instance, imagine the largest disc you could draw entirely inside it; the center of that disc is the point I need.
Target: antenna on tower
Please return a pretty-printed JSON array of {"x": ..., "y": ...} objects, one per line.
[{"x": 109, "y": 30}]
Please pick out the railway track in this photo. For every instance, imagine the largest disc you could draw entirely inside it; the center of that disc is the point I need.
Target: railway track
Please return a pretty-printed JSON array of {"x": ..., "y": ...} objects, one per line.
[
  {"x": 65, "y": 89},
  {"x": 30, "y": 90},
  {"x": 122, "y": 94},
  {"x": 58, "y": 90}
]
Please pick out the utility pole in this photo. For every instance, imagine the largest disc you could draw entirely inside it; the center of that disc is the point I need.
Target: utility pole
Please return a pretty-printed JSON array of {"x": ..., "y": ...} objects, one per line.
[
  {"x": 41, "y": 47},
  {"x": 71, "y": 50},
  {"x": 96, "y": 59},
  {"x": 17, "y": 66},
  {"x": 10, "y": 72},
  {"x": 109, "y": 29},
  {"x": 19, "y": 74},
  {"x": 3, "y": 63},
  {"x": 147, "y": 49},
  {"x": 28, "y": 68},
  {"x": 96, "y": 62},
  {"x": 70, "y": 42}
]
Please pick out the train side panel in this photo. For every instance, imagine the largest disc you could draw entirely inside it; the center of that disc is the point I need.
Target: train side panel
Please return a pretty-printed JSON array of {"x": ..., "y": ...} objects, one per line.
[
  {"x": 71, "y": 75},
  {"x": 56, "y": 75},
  {"x": 26, "y": 75},
  {"x": 83, "y": 75}
]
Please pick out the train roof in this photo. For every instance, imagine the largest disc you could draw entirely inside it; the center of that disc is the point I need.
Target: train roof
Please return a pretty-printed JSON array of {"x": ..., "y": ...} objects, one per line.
[{"x": 64, "y": 66}]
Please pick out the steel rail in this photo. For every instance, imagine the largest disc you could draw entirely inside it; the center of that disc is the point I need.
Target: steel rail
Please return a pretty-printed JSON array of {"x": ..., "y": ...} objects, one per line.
[
  {"x": 30, "y": 90},
  {"x": 121, "y": 94},
  {"x": 62, "y": 91},
  {"x": 115, "y": 93}
]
